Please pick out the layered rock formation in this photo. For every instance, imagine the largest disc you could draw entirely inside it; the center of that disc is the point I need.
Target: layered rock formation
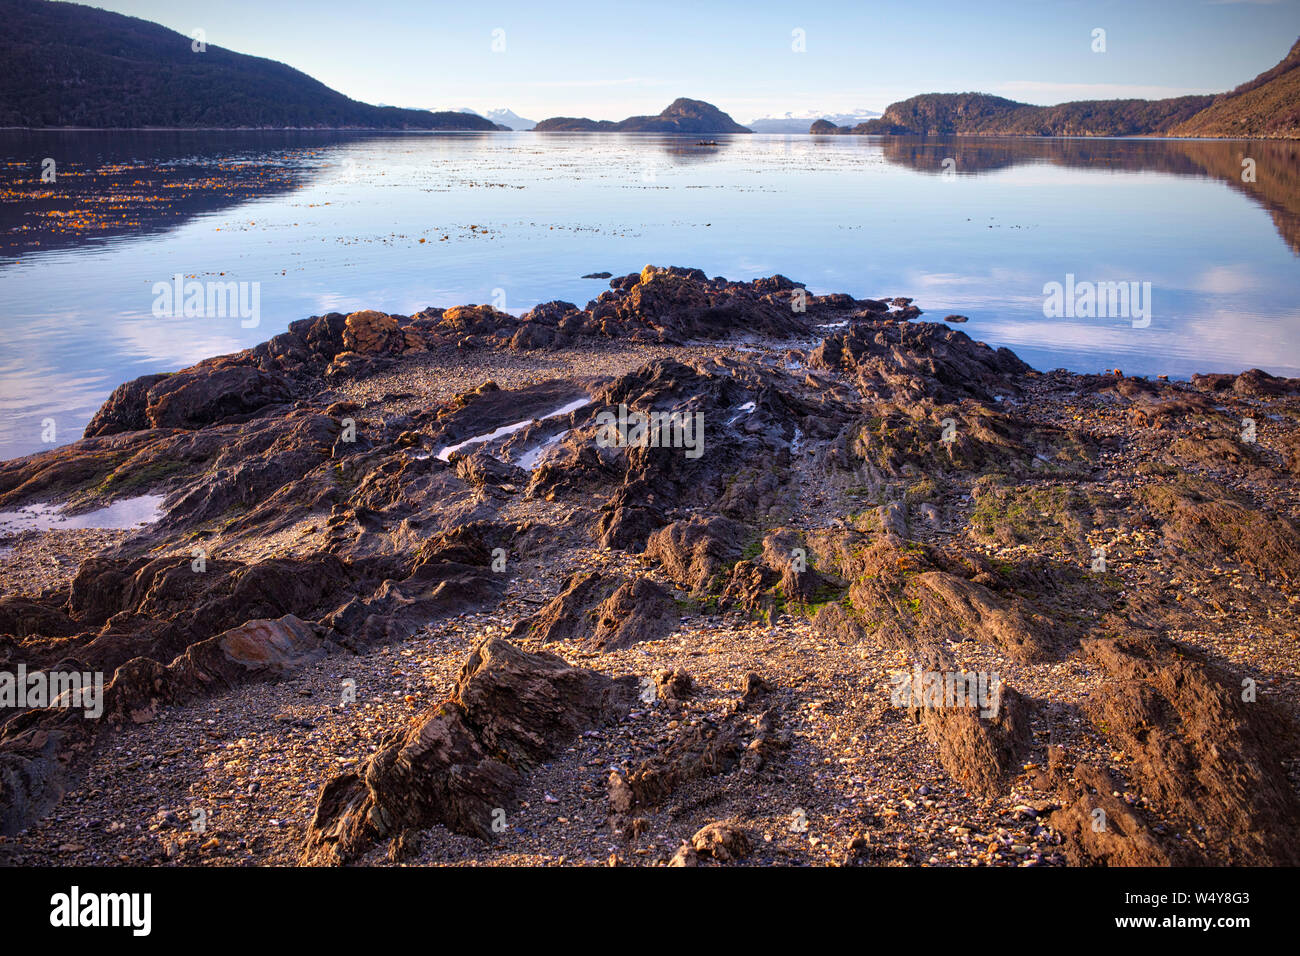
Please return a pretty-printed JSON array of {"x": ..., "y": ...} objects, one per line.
[{"x": 1035, "y": 583}]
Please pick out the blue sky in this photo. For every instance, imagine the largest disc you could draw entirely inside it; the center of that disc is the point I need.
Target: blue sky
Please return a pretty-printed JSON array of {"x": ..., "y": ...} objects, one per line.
[{"x": 612, "y": 59}]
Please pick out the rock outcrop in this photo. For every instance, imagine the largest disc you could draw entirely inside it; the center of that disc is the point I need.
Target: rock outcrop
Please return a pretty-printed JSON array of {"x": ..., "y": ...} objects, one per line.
[
  {"x": 728, "y": 478},
  {"x": 461, "y": 762}
]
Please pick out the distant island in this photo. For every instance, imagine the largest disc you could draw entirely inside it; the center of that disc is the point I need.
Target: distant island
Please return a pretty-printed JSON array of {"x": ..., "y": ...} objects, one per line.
[
  {"x": 1268, "y": 107},
  {"x": 681, "y": 116},
  {"x": 798, "y": 122},
  {"x": 71, "y": 65},
  {"x": 68, "y": 65}
]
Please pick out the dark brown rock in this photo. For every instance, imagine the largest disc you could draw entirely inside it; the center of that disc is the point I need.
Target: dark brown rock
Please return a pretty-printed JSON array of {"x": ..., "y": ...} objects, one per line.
[{"x": 463, "y": 759}]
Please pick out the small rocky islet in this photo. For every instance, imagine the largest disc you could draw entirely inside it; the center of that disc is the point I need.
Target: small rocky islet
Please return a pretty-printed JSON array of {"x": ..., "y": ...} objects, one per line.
[{"x": 401, "y": 605}]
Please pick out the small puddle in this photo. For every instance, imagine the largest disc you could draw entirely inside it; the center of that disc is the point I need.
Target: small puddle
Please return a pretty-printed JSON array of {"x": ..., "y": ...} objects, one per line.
[
  {"x": 530, "y": 459},
  {"x": 504, "y": 430},
  {"x": 120, "y": 515}
]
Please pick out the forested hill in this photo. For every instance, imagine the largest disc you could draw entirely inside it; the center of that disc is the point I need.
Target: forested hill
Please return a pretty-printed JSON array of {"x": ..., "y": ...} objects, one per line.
[{"x": 71, "y": 65}]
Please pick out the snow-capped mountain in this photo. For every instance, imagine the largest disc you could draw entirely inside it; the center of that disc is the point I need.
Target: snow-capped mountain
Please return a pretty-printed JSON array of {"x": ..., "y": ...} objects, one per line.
[
  {"x": 505, "y": 118},
  {"x": 799, "y": 122}
]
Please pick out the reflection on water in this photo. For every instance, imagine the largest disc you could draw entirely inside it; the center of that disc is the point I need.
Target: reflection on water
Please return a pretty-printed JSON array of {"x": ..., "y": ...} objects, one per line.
[
  {"x": 1265, "y": 170},
  {"x": 342, "y": 221},
  {"x": 64, "y": 188}
]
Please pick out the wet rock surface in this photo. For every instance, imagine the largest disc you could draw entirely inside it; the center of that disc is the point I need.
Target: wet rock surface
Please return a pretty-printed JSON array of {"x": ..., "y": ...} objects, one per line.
[{"x": 704, "y": 572}]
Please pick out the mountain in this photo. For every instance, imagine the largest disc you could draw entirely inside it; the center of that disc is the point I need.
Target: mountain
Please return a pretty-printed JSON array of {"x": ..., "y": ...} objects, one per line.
[
  {"x": 1268, "y": 107},
  {"x": 502, "y": 127},
  {"x": 798, "y": 122},
  {"x": 982, "y": 114},
  {"x": 681, "y": 116},
  {"x": 71, "y": 65},
  {"x": 509, "y": 119},
  {"x": 503, "y": 119}
]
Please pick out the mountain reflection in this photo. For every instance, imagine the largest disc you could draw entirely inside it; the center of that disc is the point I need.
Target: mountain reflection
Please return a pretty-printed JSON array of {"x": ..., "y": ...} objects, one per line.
[{"x": 1276, "y": 184}]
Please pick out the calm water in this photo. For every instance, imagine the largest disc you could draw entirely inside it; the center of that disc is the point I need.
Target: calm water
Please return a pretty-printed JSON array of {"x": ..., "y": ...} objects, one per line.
[{"x": 337, "y": 222}]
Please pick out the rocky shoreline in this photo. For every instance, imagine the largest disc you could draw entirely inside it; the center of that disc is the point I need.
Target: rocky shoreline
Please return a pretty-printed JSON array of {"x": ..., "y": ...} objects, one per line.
[{"x": 405, "y": 602}]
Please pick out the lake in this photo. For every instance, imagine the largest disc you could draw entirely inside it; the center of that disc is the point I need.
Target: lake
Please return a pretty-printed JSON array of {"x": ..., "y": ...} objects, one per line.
[{"x": 1205, "y": 234}]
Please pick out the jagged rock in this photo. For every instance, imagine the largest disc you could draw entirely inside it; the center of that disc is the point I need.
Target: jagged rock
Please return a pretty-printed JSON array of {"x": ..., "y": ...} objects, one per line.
[
  {"x": 157, "y": 607},
  {"x": 314, "y": 539},
  {"x": 126, "y": 408},
  {"x": 629, "y": 519},
  {"x": 451, "y": 572},
  {"x": 1199, "y": 749},
  {"x": 1254, "y": 383},
  {"x": 605, "y": 612},
  {"x": 1196, "y": 523},
  {"x": 569, "y": 616},
  {"x": 376, "y": 333},
  {"x": 978, "y": 612},
  {"x": 747, "y": 587},
  {"x": 192, "y": 399},
  {"x": 685, "y": 856},
  {"x": 23, "y": 618},
  {"x": 898, "y": 361},
  {"x": 697, "y": 552},
  {"x": 979, "y": 746},
  {"x": 33, "y": 778},
  {"x": 1098, "y": 828},
  {"x": 483, "y": 471},
  {"x": 704, "y": 750},
  {"x": 265, "y": 649},
  {"x": 465, "y": 756},
  {"x": 723, "y": 840},
  {"x": 639, "y": 610},
  {"x": 786, "y": 554},
  {"x": 209, "y": 392},
  {"x": 621, "y": 797},
  {"x": 673, "y": 686},
  {"x": 38, "y": 746},
  {"x": 753, "y": 689},
  {"x": 701, "y": 751}
]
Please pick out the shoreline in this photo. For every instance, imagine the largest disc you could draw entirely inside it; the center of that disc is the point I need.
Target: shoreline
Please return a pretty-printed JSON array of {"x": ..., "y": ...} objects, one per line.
[
  {"x": 949, "y": 503},
  {"x": 883, "y": 136}
]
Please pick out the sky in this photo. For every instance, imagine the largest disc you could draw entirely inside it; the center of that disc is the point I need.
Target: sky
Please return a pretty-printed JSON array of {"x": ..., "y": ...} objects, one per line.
[{"x": 612, "y": 59}]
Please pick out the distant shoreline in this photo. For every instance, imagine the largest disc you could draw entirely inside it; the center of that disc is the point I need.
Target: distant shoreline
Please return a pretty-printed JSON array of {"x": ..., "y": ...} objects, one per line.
[
  {"x": 375, "y": 129},
  {"x": 236, "y": 129}
]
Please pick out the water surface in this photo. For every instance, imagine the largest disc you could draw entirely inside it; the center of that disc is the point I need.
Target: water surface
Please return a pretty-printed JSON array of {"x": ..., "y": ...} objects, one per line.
[{"x": 397, "y": 222}]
